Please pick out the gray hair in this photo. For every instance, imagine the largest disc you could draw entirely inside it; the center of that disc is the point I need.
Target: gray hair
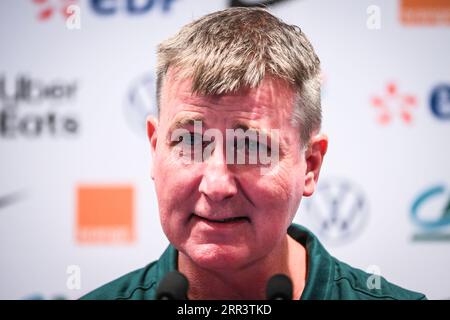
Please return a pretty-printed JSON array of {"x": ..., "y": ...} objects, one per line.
[{"x": 227, "y": 50}]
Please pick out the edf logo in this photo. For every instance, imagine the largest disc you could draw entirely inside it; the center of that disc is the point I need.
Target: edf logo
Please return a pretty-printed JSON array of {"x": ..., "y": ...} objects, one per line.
[
  {"x": 440, "y": 101},
  {"x": 135, "y": 7}
]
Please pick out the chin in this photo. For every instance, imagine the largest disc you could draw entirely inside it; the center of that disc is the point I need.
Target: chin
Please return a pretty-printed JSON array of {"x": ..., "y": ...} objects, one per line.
[{"x": 218, "y": 256}]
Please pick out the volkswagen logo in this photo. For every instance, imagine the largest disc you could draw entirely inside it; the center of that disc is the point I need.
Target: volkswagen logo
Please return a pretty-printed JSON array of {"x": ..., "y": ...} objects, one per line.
[
  {"x": 338, "y": 210},
  {"x": 140, "y": 102}
]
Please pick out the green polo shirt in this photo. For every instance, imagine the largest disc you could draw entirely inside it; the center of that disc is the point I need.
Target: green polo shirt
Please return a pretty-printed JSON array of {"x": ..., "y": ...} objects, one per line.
[{"x": 327, "y": 277}]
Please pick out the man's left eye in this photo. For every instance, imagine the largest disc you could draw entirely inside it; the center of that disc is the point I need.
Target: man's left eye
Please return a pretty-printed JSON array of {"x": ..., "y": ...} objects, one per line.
[{"x": 251, "y": 145}]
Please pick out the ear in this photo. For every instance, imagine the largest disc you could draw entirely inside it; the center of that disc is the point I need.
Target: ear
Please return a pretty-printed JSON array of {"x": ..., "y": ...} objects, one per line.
[
  {"x": 314, "y": 157},
  {"x": 152, "y": 126}
]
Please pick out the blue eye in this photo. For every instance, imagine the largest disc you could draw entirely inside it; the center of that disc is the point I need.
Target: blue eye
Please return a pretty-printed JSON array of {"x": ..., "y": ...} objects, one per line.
[
  {"x": 190, "y": 139},
  {"x": 251, "y": 145}
]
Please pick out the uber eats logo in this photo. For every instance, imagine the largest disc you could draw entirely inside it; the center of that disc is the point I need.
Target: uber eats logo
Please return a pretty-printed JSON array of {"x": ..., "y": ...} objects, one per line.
[{"x": 31, "y": 108}]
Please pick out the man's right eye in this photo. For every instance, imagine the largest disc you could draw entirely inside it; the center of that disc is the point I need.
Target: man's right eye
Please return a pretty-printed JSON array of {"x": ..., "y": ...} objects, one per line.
[
  {"x": 190, "y": 139},
  {"x": 187, "y": 139}
]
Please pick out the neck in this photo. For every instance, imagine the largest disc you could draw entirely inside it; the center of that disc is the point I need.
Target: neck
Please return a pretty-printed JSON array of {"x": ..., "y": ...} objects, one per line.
[{"x": 247, "y": 283}]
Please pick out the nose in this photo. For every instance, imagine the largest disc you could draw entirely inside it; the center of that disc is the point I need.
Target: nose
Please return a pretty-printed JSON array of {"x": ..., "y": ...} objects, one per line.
[{"x": 218, "y": 182}]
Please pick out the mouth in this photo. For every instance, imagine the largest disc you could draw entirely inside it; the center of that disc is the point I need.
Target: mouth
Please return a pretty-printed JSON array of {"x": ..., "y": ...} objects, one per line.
[{"x": 222, "y": 221}]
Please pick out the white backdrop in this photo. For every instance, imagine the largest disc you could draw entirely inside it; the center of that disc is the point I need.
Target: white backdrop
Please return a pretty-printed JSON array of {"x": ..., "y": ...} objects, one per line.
[{"x": 73, "y": 106}]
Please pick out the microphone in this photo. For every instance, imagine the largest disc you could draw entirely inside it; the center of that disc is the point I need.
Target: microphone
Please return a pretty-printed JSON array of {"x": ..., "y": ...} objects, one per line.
[
  {"x": 174, "y": 286},
  {"x": 279, "y": 287}
]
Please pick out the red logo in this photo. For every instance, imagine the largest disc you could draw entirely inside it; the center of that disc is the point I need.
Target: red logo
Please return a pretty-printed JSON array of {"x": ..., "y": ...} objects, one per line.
[
  {"x": 48, "y": 8},
  {"x": 394, "y": 104}
]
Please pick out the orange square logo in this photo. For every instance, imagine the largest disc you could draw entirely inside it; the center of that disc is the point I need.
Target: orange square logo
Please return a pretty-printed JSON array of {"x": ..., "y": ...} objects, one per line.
[
  {"x": 425, "y": 12},
  {"x": 104, "y": 214}
]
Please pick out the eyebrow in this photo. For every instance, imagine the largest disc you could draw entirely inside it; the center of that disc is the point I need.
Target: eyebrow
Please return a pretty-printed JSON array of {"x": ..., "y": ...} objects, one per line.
[
  {"x": 190, "y": 121},
  {"x": 183, "y": 122},
  {"x": 244, "y": 126}
]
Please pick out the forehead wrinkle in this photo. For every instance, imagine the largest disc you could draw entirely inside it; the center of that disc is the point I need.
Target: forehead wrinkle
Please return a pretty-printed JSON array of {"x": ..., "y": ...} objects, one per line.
[
  {"x": 244, "y": 117},
  {"x": 224, "y": 102},
  {"x": 250, "y": 103},
  {"x": 266, "y": 96},
  {"x": 216, "y": 112}
]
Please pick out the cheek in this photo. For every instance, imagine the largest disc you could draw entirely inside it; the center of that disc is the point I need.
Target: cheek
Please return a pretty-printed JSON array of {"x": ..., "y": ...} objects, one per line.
[
  {"x": 277, "y": 196},
  {"x": 176, "y": 184},
  {"x": 278, "y": 188},
  {"x": 170, "y": 170}
]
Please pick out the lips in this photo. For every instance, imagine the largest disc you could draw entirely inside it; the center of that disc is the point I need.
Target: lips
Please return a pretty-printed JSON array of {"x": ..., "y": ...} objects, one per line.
[{"x": 224, "y": 220}]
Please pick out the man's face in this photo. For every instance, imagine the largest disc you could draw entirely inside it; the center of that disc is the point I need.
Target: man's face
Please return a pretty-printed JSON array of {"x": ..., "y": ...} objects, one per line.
[{"x": 219, "y": 214}]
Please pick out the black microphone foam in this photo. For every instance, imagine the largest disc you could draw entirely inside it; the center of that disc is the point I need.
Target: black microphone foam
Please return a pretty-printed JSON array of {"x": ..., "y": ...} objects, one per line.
[
  {"x": 174, "y": 286},
  {"x": 279, "y": 287}
]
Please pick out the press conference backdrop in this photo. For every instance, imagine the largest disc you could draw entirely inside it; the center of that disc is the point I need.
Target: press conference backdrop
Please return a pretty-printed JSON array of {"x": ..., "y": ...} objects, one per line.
[{"x": 78, "y": 207}]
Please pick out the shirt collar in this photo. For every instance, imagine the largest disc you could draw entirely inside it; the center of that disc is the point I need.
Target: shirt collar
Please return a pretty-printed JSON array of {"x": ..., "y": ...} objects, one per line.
[{"x": 320, "y": 271}]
